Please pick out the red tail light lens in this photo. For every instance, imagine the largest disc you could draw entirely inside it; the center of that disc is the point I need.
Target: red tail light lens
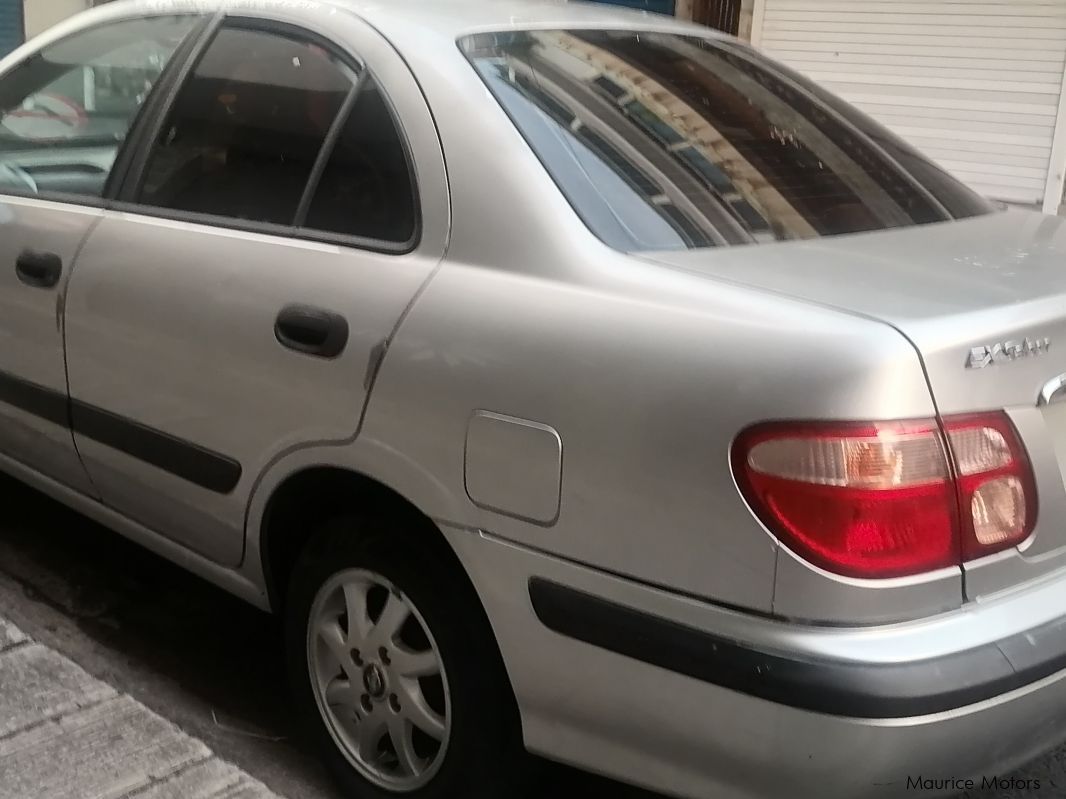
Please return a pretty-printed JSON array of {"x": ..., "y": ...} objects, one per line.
[{"x": 880, "y": 500}]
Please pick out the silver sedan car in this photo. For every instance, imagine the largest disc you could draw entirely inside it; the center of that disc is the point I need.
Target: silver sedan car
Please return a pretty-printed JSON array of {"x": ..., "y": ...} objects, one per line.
[{"x": 573, "y": 381}]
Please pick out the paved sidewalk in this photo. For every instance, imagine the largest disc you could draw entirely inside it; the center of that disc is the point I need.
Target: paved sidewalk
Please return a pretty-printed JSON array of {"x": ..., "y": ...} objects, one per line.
[{"x": 65, "y": 735}]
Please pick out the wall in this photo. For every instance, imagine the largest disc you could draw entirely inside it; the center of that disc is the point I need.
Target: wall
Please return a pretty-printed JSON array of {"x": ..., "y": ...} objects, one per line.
[
  {"x": 658, "y": 6},
  {"x": 10, "y": 25},
  {"x": 43, "y": 14},
  {"x": 747, "y": 12}
]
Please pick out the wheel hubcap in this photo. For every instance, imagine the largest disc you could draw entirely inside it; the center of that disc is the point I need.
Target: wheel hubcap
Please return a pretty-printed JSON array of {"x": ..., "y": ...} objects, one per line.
[
  {"x": 378, "y": 680},
  {"x": 374, "y": 681}
]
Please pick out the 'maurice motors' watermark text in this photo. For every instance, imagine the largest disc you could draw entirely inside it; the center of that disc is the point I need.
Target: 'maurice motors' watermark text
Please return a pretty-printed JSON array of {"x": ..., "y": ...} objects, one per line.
[{"x": 920, "y": 783}]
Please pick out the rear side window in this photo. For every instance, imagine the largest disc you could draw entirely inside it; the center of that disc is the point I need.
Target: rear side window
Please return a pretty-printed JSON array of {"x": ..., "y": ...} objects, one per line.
[
  {"x": 247, "y": 128},
  {"x": 367, "y": 188},
  {"x": 272, "y": 128},
  {"x": 665, "y": 142}
]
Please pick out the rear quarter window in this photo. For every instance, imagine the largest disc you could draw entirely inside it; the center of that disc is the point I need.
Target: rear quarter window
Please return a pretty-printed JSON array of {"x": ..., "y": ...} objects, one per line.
[{"x": 663, "y": 142}]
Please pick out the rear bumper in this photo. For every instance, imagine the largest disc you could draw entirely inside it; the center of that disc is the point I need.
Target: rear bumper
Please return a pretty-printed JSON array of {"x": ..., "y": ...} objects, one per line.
[
  {"x": 833, "y": 687},
  {"x": 695, "y": 700}
]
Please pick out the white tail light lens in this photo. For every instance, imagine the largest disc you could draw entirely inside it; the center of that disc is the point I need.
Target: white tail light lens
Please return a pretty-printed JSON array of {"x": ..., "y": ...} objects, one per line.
[
  {"x": 979, "y": 449},
  {"x": 998, "y": 510},
  {"x": 879, "y": 461}
]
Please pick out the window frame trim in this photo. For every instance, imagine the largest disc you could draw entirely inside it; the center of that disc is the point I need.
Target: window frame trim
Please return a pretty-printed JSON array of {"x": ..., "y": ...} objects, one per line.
[
  {"x": 329, "y": 146},
  {"x": 128, "y": 146},
  {"x": 126, "y": 197},
  {"x": 161, "y": 101}
]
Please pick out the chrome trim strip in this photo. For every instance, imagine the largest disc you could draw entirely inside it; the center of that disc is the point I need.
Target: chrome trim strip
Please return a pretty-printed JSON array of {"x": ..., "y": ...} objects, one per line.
[{"x": 1053, "y": 391}]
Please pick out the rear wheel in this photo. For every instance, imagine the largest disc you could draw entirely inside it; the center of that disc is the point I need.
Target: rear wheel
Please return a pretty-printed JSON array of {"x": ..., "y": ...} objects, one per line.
[{"x": 392, "y": 671}]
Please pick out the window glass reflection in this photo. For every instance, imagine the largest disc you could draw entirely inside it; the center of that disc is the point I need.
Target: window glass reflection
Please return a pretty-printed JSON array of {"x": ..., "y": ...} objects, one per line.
[{"x": 666, "y": 142}]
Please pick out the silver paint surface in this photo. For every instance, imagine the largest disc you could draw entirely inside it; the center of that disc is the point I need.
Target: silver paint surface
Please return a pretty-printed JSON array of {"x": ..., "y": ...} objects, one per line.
[
  {"x": 514, "y": 466},
  {"x": 647, "y": 368}
]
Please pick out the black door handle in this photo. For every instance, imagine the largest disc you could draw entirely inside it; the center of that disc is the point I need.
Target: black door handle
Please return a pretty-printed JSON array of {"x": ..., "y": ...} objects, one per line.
[
  {"x": 312, "y": 331},
  {"x": 41, "y": 270}
]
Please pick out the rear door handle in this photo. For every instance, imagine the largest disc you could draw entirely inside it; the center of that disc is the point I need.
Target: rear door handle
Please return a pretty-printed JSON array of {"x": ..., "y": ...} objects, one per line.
[
  {"x": 41, "y": 270},
  {"x": 312, "y": 331}
]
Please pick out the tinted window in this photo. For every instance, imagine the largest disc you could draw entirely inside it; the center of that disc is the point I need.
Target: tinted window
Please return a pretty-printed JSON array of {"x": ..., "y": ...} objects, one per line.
[
  {"x": 247, "y": 128},
  {"x": 366, "y": 189},
  {"x": 665, "y": 142},
  {"x": 65, "y": 110},
  {"x": 959, "y": 200}
]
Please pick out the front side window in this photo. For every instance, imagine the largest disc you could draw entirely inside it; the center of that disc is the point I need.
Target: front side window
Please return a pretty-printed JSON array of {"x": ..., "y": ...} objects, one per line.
[
  {"x": 65, "y": 110},
  {"x": 662, "y": 141},
  {"x": 247, "y": 128}
]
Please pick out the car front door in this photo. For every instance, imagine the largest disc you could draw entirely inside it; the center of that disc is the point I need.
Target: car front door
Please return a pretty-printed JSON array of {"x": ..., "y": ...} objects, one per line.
[
  {"x": 64, "y": 112},
  {"x": 235, "y": 305}
]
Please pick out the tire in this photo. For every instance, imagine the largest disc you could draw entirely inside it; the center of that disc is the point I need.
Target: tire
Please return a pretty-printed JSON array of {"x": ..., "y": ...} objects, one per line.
[{"x": 389, "y": 568}]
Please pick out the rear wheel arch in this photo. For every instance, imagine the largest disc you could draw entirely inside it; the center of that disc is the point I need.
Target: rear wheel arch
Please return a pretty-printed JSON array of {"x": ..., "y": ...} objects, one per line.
[
  {"x": 301, "y": 504},
  {"x": 297, "y": 499},
  {"x": 308, "y": 499},
  {"x": 482, "y": 752}
]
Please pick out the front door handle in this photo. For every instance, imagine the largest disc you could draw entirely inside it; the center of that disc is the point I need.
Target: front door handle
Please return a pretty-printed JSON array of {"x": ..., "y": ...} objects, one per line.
[
  {"x": 311, "y": 331},
  {"x": 41, "y": 270}
]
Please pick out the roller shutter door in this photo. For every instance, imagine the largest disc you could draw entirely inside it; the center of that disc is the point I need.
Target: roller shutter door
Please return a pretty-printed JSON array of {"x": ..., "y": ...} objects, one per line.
[{"x": 977, "y": 86}]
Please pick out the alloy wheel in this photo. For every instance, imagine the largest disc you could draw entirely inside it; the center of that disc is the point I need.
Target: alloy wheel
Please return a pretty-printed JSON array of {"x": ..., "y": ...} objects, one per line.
[{"x": 379, "y": 680}]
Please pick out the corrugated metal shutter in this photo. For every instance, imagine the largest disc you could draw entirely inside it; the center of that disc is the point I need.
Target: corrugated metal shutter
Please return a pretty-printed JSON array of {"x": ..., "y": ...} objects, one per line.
[
  {"x": 976, "y": 85},
  {"x": 11, "y": 29}
]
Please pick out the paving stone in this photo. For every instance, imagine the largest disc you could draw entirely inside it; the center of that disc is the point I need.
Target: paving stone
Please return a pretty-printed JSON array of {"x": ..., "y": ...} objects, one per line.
[
  {"x": 211, "y": 779},
  {"x": 37, "y": 684},
  {"x": 66, "y": 735},
  {"x": 105, "y": 751}
]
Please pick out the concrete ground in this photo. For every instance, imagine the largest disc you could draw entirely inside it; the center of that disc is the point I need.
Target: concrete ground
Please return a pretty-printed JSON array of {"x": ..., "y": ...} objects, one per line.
[
  {"x": 202, "y": 660},
  {"x": 167, "y": 651},
  {"x": 66, "y": 735}
]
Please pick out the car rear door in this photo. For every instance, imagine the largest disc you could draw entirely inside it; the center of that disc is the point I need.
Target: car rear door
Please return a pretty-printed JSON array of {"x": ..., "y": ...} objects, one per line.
[
  {"x": 66, "y": 110},
  {"x": 235, "y": 304}
]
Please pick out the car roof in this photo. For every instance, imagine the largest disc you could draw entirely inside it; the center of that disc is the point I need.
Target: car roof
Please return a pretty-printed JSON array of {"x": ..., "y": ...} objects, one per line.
[
  {"x": 454, "y": 18},
  {"x": 449, "y": 19}
]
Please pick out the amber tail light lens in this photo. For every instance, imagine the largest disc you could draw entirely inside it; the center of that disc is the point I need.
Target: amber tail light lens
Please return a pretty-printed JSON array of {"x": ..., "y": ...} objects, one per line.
[{"x": 889, "y": 499}]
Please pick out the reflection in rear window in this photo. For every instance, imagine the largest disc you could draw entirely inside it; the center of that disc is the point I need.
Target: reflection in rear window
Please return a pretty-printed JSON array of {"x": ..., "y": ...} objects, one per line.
[{"x": 664, "y": 142}]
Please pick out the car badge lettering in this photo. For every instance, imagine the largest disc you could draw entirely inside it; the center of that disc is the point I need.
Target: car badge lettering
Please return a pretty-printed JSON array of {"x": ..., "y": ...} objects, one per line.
[{"x": 1007, "y": 351}]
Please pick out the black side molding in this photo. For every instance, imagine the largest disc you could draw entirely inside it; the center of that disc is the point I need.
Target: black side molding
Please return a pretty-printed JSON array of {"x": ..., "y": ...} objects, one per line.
[
  {"x": 34, "y": 399},
  {"x": 838, "y": 688},
  {"x": 186, "y": 460}
]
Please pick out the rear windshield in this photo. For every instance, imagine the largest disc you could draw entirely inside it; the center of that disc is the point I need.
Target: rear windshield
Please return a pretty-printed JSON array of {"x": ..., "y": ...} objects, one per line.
[{"x": 667, "y": 142}]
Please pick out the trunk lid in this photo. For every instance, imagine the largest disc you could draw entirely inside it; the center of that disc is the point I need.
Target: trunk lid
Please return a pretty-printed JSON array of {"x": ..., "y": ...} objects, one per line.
[{"x": 983, "y": 301}]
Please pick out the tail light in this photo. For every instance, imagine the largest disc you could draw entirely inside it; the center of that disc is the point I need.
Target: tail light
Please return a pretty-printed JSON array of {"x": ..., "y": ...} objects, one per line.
[
  {"x": 997, "y": 492},
  {"x": 889, "y": 499}
]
